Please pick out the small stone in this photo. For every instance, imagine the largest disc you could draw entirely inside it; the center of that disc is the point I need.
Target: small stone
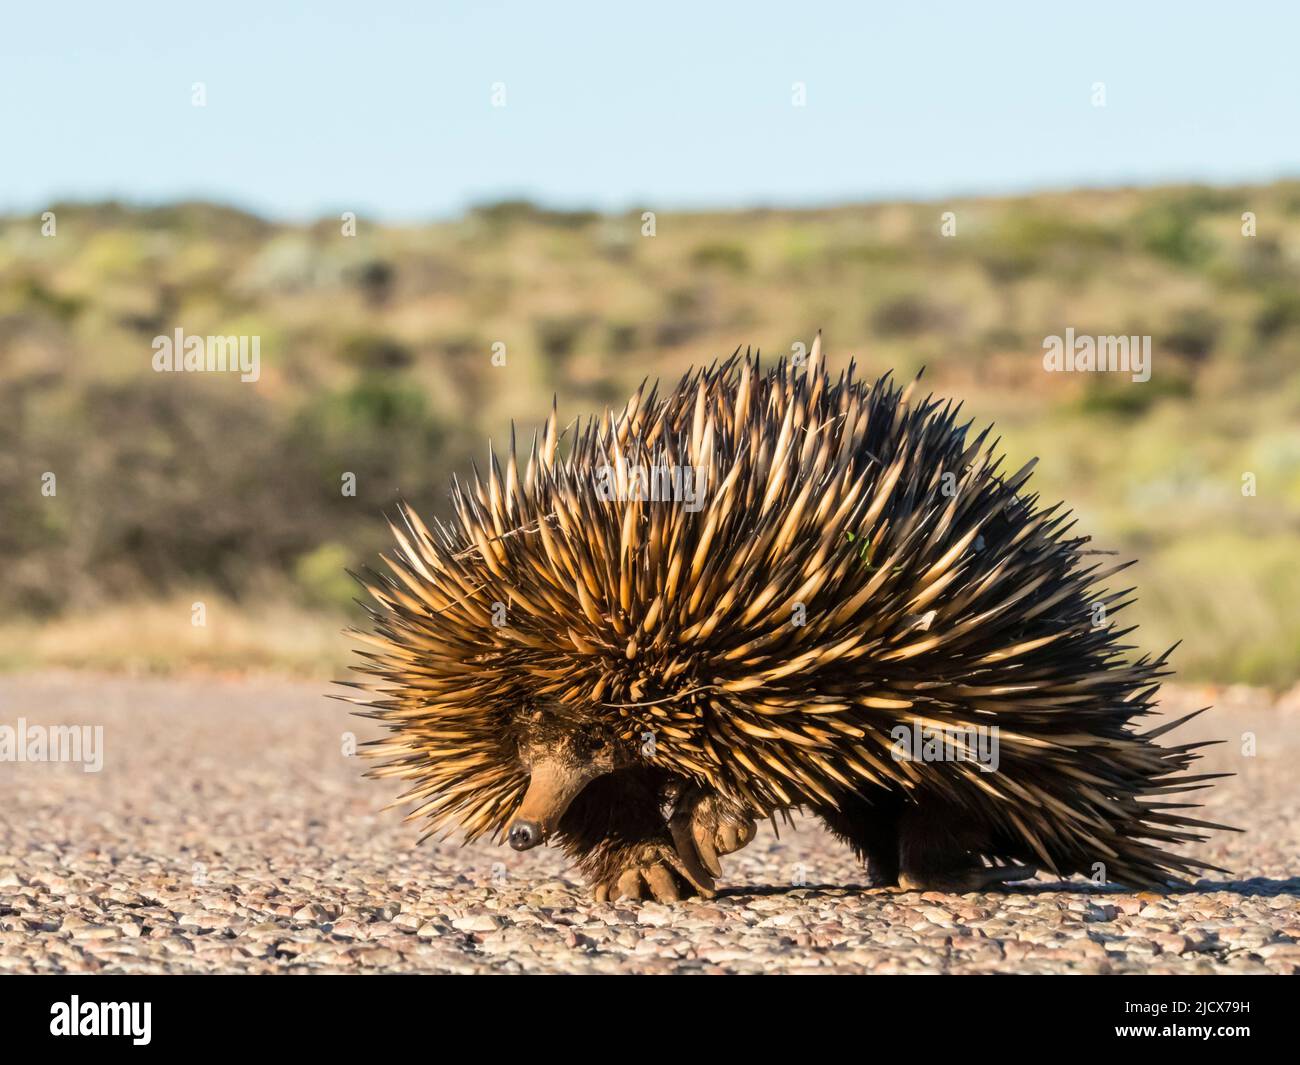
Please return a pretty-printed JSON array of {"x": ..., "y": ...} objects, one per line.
[
  {"x": 1169, "y": 943},
  {"x": 478, "y": 923},
  {"x": 655, "y": 915},
  {"x": 95, "y": 932},
  {"x": 377, "y": 955},
  {"x": 1279, "y": 951}
]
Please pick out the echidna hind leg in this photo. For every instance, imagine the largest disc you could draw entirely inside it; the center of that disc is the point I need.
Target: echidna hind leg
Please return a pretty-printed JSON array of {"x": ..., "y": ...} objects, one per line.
[
  {"x": 938, "y": 852},
  {"x": 872, "y": 830},
  {"x": 961, "y": 881}
]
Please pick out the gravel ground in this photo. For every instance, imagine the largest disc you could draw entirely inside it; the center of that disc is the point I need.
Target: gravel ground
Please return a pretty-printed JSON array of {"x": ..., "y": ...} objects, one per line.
[{"x": 229, "y": 832}]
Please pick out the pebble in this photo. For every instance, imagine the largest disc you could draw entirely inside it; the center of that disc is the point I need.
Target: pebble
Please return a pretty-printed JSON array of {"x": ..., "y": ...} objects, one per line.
[{"x": 478, "y": 923}]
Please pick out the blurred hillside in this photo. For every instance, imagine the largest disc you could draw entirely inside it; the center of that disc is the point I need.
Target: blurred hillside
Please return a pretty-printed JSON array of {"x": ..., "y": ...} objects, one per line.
[{"x": 376, "y": 360}]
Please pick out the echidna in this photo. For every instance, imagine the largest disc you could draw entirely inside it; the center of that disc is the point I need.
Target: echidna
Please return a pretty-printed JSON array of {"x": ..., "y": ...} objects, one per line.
[{"x": 738, "y": 600}]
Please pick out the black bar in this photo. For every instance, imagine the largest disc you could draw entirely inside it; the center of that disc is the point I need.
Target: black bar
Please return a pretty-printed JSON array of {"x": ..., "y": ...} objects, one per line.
[{"x": 372, "y": 1013}]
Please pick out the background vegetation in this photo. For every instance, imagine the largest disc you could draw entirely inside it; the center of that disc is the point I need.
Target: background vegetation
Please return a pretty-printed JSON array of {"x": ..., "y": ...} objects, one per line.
[{"x": 377, "y": 360}]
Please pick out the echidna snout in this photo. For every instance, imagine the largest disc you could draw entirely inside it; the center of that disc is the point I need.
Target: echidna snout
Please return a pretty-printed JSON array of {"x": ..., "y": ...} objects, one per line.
[
  {"x": 562, "y": 757},
  {"x": 524, "y": 835}
]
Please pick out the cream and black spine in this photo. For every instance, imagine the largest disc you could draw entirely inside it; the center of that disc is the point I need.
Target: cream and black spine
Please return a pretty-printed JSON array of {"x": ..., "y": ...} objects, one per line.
[{"x": 572, "y": 658}]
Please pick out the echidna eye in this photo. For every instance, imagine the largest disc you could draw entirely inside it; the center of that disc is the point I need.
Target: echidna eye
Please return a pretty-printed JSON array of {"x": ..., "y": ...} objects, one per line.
[{"x": 595, "y": 743}]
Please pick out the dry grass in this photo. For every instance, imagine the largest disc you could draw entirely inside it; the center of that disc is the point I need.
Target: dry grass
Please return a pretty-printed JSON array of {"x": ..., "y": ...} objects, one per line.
[{"x": 160, "y": 638}]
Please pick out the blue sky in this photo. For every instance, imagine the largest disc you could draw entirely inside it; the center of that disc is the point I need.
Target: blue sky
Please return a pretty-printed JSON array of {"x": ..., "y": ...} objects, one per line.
[{"x": 385, "y": 108}]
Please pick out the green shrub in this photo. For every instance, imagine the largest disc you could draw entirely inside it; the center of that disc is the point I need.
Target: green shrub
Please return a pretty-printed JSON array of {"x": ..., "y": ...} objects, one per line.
[
  {"x": 726, "y": 256},
  {"x": 1170, "y": 233},
  {"x": 321, "y": 575},
  {"x": 375, "y": 351},
  {"x": 1279, "y": 312}
]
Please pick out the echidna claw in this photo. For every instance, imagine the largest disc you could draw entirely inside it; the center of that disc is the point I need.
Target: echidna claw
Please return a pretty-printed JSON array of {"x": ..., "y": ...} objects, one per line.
[
  {"x": 695, "y": 878},
  {"x": 699, "y": 860},
  {"x": 702, "y": 838},
  {"x": 1009, "y": 874},
  {"x": 629, "y": 885},
  {"x": 661, "y": 883},
  {"x": 733, "y": 835}
]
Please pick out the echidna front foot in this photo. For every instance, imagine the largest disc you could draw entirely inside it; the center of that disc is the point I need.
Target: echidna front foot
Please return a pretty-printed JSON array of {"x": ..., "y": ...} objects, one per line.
[
  {"x": 616, "y": 833},
  {"x": 706, "y": 826},
  {"x": 650, "y": 871},
  {"x": 703, "y": 827}
]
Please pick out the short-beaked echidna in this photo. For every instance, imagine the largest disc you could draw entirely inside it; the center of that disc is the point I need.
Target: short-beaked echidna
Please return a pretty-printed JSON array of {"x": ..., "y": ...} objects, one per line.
[{"x": 743, "y": 598}]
